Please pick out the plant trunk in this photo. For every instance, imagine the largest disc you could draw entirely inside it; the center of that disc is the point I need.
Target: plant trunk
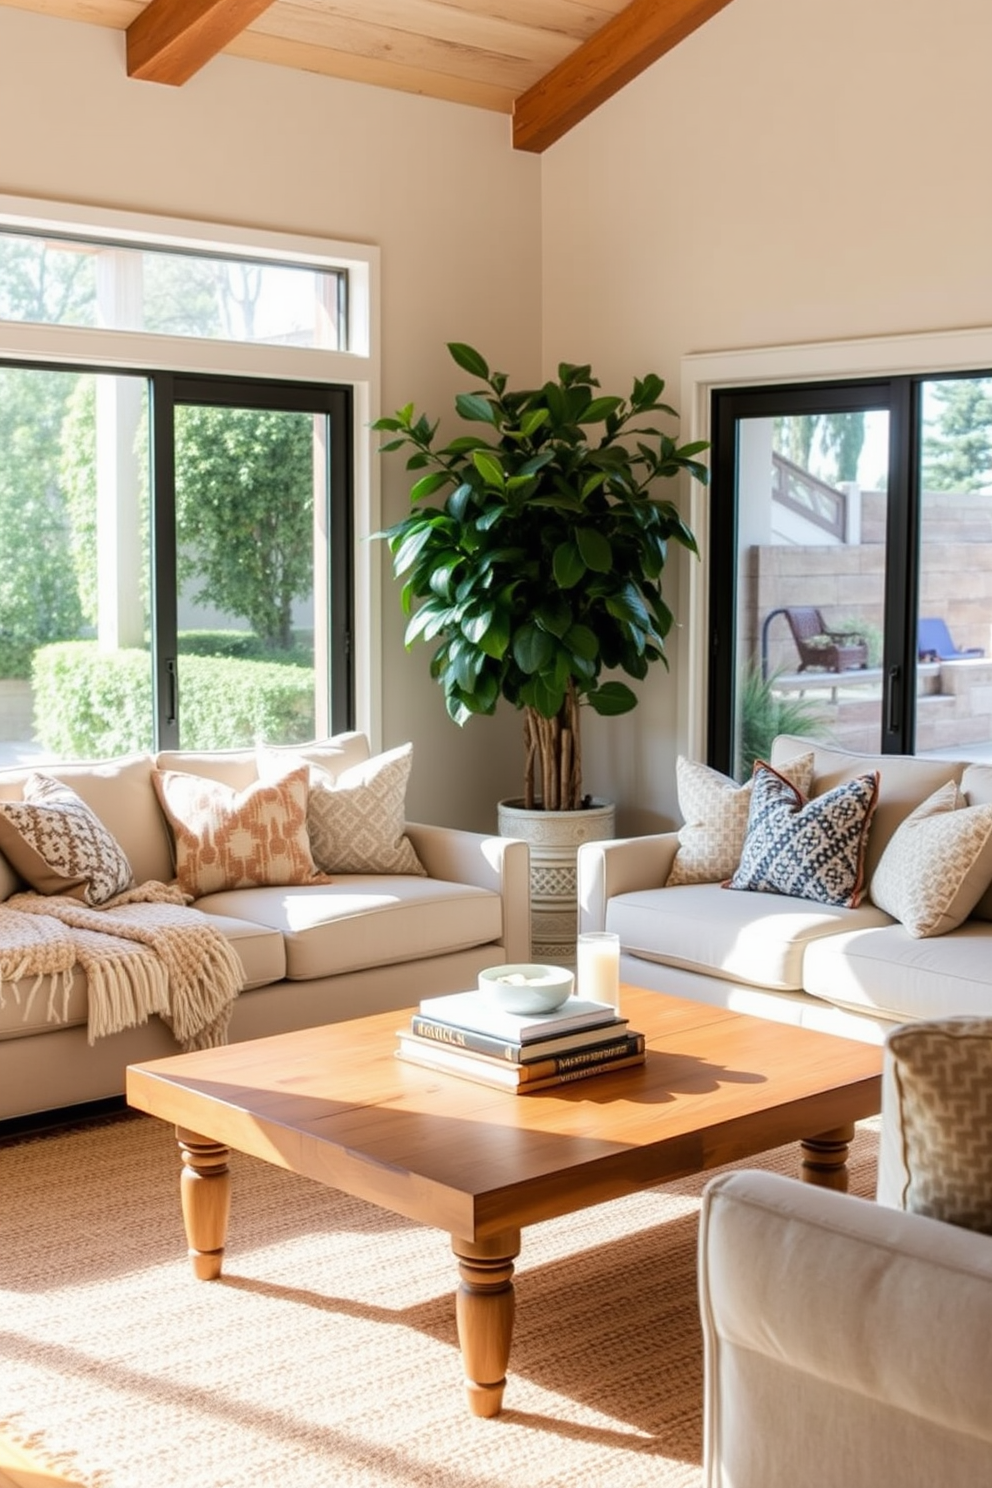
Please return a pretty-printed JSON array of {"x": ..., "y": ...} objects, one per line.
[{"x": 552, "y": 751}]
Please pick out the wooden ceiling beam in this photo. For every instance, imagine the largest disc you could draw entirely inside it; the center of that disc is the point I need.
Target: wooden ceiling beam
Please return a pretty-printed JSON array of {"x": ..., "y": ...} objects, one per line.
[
  {"x": 172, "y": 39},
  {"x": 634, "y": 38}
]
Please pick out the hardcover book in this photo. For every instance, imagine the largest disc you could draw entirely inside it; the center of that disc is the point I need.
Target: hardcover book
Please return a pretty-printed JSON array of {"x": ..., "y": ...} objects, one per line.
[
  {"x": 486, "y": 1043},
  {"x": 472, "y": 1011},
  {"x": 522, "y": 1078}
]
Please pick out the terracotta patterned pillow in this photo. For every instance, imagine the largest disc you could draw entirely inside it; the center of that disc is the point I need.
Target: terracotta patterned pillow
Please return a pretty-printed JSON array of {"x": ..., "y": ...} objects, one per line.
[
  {"x": 228, "y": 839},
  {"x": 714, "y": 811},
  {"x": 810, "y": 850},
  {"x": 59, "y": 846}
]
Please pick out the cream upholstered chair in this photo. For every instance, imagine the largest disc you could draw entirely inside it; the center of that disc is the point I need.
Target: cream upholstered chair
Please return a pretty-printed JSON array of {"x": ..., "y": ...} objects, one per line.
[{"x": 849, "y": 1344}]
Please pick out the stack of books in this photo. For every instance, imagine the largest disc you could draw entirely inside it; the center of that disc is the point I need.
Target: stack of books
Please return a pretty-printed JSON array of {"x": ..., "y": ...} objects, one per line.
[{"x": 463, "y": 1034}]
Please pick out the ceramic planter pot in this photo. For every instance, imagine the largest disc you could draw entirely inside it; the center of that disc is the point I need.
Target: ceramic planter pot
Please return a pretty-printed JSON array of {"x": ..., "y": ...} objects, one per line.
[{"x": 554, "y": 838}]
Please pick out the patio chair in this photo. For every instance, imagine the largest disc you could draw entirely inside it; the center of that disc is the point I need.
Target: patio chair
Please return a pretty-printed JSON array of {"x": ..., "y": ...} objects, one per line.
[
  {"x": 933, "y": 643},
  {"x": 822, "y": 649}
]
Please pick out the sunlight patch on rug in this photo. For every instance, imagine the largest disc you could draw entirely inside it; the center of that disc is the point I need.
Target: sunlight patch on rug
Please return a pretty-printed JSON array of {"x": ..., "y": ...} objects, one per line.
[{"x": 326, "y": 1356}]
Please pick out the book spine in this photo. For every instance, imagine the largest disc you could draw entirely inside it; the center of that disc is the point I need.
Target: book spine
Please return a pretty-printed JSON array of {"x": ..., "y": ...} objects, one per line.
[
  {"x": 572, "y": 1065},
  {"x": 449, "y": 1036},
  {"x": 464, "y": 1038},
  {"x": 497, "y": 1073},
  {"x": 568, "y": 1076}
]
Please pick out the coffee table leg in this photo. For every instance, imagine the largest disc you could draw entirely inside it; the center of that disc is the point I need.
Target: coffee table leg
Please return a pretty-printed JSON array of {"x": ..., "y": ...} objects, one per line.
[
  {"x": 825, "y": 1158},
  {"x": 205, "y": 1188},
  {"x": 484, "y": 1307}
]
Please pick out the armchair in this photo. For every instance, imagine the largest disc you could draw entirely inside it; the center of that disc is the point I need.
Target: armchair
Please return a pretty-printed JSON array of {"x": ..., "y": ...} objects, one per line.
[
  {"x": 845, "y": 1344},
  {"x": 849, "y": 1344},
  {"x": 821, "y": 648}
]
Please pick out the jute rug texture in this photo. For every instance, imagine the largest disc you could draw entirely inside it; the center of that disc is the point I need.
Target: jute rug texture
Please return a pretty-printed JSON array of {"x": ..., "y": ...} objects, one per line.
[{"x": 326, "y": 1356}]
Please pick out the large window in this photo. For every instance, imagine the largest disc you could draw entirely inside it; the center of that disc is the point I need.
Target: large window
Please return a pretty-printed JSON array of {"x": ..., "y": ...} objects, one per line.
[
  {"x": 851, "y": 567},
  {"x": 185, "y": 488}
]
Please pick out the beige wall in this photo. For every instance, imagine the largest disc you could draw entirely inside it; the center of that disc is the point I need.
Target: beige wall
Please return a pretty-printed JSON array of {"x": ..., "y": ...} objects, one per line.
[
  {"x": 455, "y": 212},
  {"x": 795, "y": 171}
]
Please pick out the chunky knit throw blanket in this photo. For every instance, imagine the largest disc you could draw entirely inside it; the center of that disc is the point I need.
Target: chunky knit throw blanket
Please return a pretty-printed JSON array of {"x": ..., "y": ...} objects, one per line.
[{"x": 143, "y": 952}]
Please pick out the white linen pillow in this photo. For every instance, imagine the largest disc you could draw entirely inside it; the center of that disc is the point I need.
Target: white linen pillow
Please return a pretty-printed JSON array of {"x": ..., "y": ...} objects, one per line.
[
  {"x": 357, "y": 820},
  {"x": 936, "y": 865},
  {"x": 714, "y": 811}
]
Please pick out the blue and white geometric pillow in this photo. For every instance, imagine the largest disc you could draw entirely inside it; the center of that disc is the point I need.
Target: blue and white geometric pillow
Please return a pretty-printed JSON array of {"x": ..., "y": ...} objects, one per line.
[{"x": 811, "y": 850}]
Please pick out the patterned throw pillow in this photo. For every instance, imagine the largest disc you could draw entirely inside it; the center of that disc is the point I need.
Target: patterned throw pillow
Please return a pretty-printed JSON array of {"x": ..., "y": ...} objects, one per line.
[
  {"x": 357, "y": 820},
  {"x": 813, "y": 851},
  {"x": 936, "y": 865},
  {"x": 228, "y": 839},
  {"x": 714, "y": 811},
  {"x": 937, "y": 1111},
  {"x": 59, "y": 846}
]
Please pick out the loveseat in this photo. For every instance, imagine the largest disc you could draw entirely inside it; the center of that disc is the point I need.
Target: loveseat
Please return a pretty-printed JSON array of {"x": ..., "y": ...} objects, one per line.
[
  {"x": 328, "y": 946},
  {"x": 854, "y": 970}
]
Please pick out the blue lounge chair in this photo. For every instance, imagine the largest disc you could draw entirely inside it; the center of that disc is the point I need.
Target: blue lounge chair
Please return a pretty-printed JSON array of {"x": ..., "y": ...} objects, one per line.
[{"x": 934, "y": 643}]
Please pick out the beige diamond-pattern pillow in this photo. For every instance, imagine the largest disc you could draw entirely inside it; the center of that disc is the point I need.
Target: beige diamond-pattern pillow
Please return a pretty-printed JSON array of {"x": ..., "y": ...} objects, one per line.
[
  {"x": 936, "y": 1153},
  {"x": 228, "y": 839},
  {"x": 714, "y": 811},
  {"x": 357, "y": 820},
  {"x": 59, "y": 846},
  {"x": 936, "y": 865}
]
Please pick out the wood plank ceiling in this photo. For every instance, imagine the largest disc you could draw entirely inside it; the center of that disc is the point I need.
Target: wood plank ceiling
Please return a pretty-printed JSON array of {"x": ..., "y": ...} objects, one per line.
[{"x": 548, "y": 63}]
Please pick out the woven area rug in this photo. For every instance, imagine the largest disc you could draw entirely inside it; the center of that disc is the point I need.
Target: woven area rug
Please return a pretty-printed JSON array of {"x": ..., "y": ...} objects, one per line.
[{"x": 326, "y": 1356}]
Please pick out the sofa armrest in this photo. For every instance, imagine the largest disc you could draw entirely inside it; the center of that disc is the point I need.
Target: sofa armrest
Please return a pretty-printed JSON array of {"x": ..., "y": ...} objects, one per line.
[
  {"x": 619, "y": 866},
  {"x": 843, "y": 1342},
  {"x": 501, "y": 864}
]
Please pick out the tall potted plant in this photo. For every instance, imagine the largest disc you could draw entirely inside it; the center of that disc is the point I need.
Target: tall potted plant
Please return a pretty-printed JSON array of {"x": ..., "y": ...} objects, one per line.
[{"x": 542, "y": 568}]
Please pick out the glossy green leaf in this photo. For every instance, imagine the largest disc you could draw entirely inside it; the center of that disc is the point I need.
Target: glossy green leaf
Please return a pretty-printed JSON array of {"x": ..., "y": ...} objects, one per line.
[
  {"x": 469, "y": 359},
  {"x": 596, "y": 550},
  {"x": 475, "y": 408}
]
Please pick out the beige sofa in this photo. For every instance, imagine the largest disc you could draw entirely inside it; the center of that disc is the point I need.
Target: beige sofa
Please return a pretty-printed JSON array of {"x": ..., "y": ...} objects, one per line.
[
  {"x": 846, "y": 1344},
  {"x": 853, "y": 971},
  {"x": 310, "y": 954}
]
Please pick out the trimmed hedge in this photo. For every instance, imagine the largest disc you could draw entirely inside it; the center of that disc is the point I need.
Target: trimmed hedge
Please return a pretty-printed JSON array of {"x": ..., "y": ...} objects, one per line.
[{"x": 93, "y": 704}]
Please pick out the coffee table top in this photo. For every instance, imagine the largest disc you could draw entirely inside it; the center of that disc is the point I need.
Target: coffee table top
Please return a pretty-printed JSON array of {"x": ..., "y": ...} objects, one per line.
[{"x": 335, "y": 1104}]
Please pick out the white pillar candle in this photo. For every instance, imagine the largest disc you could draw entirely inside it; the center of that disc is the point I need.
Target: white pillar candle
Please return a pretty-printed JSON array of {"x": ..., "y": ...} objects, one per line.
[{"x": 598, "y": 967}]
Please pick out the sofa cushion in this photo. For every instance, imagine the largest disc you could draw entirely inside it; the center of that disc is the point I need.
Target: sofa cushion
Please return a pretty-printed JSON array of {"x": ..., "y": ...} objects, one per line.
[
  {"x": 811, "y": 850},
  {"x": 886, "y": 971},
  {"x": 228, "y": 839},
  {"x": 936, "y": 865},
  {"x": 239, "y": 767},
  {"x": 714, "y": 812},
  {"x": 936, "y": 1156},
  {"x": 357, "y": 819},
  {"x": 120, "y": 793},
  {"x": 904, "y": 781},
  {"x": 759, "y": 939},
  {"x": 59, "y": 846},
  {"x": 366, "y": 920}
]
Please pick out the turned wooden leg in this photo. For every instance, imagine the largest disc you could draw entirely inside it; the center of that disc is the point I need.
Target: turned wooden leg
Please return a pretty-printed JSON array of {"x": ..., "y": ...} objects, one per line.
[
  {"x": 484, "y": 1308},
  {"x": 825, "y": 1158},
  {"x": 205, "y": 1188}
]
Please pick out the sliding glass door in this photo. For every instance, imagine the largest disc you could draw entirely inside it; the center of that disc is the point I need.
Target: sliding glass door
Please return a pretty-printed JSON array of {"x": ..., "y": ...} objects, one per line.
[{"x": 176, "y": 567}]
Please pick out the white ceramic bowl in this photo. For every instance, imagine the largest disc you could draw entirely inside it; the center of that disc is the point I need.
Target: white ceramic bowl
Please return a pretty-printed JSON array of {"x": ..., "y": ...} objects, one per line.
[{"x": 526, "y": 988}]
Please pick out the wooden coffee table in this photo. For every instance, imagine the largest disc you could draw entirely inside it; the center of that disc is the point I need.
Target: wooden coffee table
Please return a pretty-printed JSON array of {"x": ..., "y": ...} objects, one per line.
[{"x": 335, "y": 1105}]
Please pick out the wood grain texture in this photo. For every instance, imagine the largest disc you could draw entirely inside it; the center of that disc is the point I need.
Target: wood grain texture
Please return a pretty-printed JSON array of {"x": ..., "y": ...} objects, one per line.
[
  {"x": 172, "y": 39},
  {"x": 644, "y": 31},
  {"x": 336, "y": 1105}
]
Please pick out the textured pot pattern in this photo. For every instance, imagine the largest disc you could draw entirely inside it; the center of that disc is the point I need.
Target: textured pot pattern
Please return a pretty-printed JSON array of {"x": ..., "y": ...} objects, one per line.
[{"x": 554, "y": 838}]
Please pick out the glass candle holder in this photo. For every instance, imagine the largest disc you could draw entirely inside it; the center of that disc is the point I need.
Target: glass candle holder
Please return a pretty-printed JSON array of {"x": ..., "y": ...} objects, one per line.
[{"x": 597, "y": 967}]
